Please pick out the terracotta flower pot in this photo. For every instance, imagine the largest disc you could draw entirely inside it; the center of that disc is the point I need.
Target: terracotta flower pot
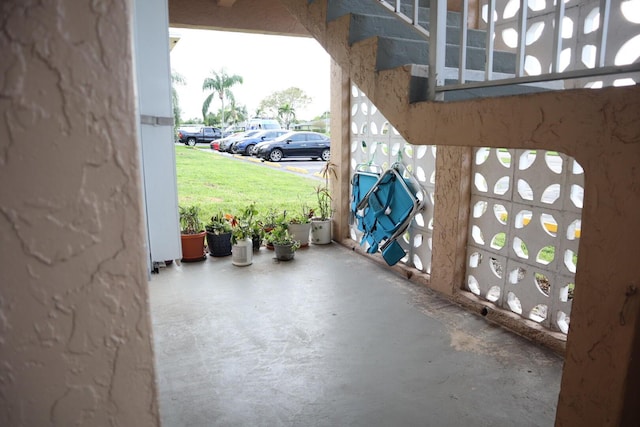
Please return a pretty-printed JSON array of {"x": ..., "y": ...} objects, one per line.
[
  {"x": 268, "y": 245},
  {"x": 193, "y": 247}
]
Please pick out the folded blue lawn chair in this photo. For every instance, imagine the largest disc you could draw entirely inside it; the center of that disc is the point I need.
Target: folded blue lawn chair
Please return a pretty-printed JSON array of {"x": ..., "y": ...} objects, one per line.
[{"x": 383, "y": 205}]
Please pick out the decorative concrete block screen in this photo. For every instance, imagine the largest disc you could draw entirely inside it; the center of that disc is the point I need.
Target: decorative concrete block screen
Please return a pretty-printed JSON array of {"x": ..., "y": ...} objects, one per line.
[
  {"x": 579, "y": 36},
  {"x": 375, "y": 141},
  {"x": 524, "y": 232}
]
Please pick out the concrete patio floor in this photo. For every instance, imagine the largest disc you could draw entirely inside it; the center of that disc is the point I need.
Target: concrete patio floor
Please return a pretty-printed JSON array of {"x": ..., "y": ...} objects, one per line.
[{"x": 334, "y": 339}]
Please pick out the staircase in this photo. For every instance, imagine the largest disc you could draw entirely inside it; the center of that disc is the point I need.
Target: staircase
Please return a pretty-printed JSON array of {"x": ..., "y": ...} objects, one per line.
[
  {"x": 401, "y": 43},
  {"x": 388, "y": 57}
]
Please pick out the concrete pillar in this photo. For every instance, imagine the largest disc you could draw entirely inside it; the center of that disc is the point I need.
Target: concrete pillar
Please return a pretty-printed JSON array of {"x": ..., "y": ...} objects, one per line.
[
  {"x": 340, "y": 149},
  {"x": 602, "y": 362},
  {"x": 450, "y": 218},
  {"x": 630, "y": 413},
  {"x": 75, "y": 336}
]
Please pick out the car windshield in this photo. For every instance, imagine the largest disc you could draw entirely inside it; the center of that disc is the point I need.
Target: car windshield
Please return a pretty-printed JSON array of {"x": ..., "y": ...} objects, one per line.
[
  {"x": 241, "y": 135},
  {"x": 260, "y": 134},
  {"x": 249, "y": 133},
  {"x": 285, "y": 136}
]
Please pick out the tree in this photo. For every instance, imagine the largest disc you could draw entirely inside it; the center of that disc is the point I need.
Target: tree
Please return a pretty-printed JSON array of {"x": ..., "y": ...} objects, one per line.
[
  {"x": 240, "y": 113},
  {"x": 259, "y": 113},
  {"x": 211, "y": 119},
  {"x": 220, "y": 82},
  {"x": 176, "y": 79},
  {"x": 286, "y": 114},
  {"x": 293, "y": 96},
  {"x": 192, "y": 121},
  {"x": 237, "y": 112}
]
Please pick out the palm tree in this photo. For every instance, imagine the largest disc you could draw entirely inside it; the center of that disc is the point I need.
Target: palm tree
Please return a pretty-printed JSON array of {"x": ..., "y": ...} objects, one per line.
[
  {"x": 287, "y": 114},
  {"x": 241, "y": 113},
  {"x": 238, "y": 112},
  {"x": 219, "y": 82},
  {"x": 176, "y": 79}
]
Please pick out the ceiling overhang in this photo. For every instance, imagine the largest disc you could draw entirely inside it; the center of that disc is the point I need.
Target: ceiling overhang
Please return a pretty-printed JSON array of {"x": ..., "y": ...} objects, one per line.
[
  {"x": 253, "y": 16},
  {"x": 225, "y": 3}
]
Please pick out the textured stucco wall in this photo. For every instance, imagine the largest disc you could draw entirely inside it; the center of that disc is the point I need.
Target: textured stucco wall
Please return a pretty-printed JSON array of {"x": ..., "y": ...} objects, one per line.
[
  {"x": 75, "y": 340},
  {"x": 262, "y": 16}
]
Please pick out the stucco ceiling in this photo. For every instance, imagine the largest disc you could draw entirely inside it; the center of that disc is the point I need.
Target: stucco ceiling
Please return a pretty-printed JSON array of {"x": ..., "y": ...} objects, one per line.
[{"x": 254, "y": 16}]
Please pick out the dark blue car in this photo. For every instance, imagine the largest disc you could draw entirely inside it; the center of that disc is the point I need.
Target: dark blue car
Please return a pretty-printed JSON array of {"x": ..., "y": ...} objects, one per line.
[
  {"x": 295, "y": 144},
  {"x": 246, "y": 145}
]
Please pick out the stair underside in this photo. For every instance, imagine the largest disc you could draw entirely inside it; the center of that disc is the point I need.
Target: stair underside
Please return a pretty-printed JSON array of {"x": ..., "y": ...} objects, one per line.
[{"x": 393, "y": 85}]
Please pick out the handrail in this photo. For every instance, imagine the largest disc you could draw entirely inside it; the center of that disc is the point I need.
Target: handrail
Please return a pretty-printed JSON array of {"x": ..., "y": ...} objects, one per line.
[
  {"x": 436, "y": 35},
  {"x": 549, "y": 77}
]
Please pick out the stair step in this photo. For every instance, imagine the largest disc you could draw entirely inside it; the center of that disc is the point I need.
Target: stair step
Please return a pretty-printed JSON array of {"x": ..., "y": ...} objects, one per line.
[
  {"x": 394, "y": 52},
  {"x": 364, "y": 26},
  {"x": 476, "y": 38},
  {"x": 453, "y": 18},
  {"x": 338, "y": 8},
  {"x": 400, "y": 45}
]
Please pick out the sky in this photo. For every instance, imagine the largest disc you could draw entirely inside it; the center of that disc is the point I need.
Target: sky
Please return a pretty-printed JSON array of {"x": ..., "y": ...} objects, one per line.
[{"x": 266, "y": 63}]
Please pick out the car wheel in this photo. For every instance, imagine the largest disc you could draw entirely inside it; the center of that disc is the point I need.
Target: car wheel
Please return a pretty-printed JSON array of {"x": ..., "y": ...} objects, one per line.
[
  {"x": 191, "y": 142},
  {"x": 326, "y": 154},
  {"x": 275, "y": 155},
  {"x": 249, "y": 150}
]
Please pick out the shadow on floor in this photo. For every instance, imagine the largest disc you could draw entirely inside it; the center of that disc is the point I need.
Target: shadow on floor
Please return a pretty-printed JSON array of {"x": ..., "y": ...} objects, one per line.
[{"x": 333, "y": 339}]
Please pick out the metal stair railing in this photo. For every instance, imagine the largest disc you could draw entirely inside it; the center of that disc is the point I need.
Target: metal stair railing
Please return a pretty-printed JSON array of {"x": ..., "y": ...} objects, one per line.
[{"x": 435, "y": 35}]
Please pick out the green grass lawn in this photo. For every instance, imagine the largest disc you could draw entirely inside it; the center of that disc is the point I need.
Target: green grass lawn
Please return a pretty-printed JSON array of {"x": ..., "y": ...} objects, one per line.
[{"x": 217, "y": 183}]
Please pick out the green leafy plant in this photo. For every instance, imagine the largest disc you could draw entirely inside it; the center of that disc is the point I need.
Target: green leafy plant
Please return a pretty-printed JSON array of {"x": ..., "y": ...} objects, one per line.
[
  {"x": 280, "y": 236},
  {"x": 275, "y": 218},
  {"x": 323, "y": 194},
  {"x": 242, "y": 226},
  {"x": 303, "y": 216},
  {"x": 219, "y": 224},
  {"x": 190, "y": 220},
  {"x": 257, "y": 229}
]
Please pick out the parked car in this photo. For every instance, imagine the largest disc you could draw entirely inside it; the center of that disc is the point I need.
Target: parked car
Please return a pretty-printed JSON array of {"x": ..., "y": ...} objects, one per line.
[
  {"x": 233, "y": 129},
  {"x": 245, "y": 146},
  {"x": 295, "y": 144},
  {"x": 225, "y": 143},
  {"x": 202, "y": 134},
  {"x": 263, "y": 124}
]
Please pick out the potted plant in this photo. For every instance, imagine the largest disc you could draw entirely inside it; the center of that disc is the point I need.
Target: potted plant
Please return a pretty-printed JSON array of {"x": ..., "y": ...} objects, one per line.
[
  {"x": 284, "y": 245},
  {"x": 271, "y": 219},
  {"x": 321, "y": 222},
  {"x": 257, "y": 233},
  {"x": 192, "y": 234},
  {"x": 300, "y": 225},
  {"x": 218, "y": 235},
  {"x": 242, "y": 230}
]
